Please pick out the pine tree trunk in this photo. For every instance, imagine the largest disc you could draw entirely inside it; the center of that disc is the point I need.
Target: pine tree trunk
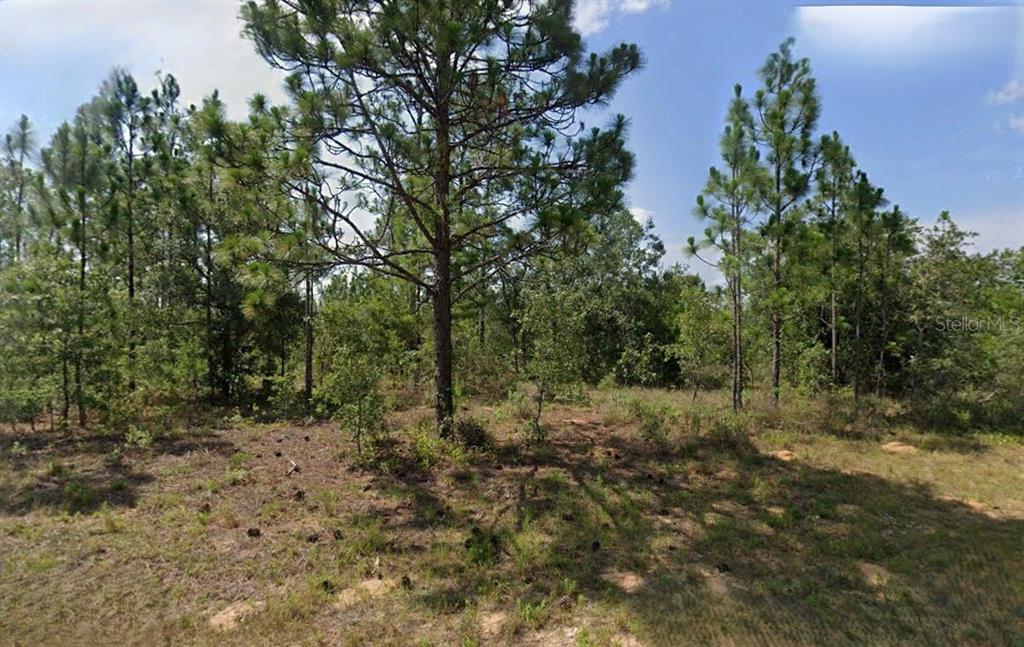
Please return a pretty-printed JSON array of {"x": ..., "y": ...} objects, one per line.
[
  {"x": 19, "y": 203},
  {"x": 79, "y": 387},
  {"x": 444, "y": 404},
  {"x": 776, "y": 286},
  {"x": 211, "y": 364},
  {"x": 835, "y": 340},
  {"x": 777, "y": 326},
  {"x": 131, "y": 266},
  {"x": 737, "y": 322},
  {"x": 307, "y": 392},
  {"x": 65, "y": 388},
  {"x": 737, "y": 346}
]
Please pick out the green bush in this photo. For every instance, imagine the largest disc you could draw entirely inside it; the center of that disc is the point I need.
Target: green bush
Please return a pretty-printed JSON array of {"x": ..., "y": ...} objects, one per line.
[
  {"x": 472, "y": 433},
  {"x": 534, "y": 432},
  {"x": 284, "y": 400},
  {"x": 483, "y": 546},
  {"x": 21, "y": 404},
  {"x": 655, "y": 419},
  {"x": 427, "y": 446},
  {"x": 350, "y": 394}
]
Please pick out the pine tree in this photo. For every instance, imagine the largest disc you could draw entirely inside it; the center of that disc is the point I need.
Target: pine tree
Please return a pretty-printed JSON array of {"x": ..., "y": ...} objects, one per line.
[
  {"x": 126, "y": 111},
  {"x": 786, "y": 114},
  {"x": 15, "y": 181},
  {"x": 730, "y": 201},
  {"x": 75, "y": 167},
  {"x": 460, "y": 118},
  {"x": 833, "y": 180},
  {"x": 864, "y": 204}
]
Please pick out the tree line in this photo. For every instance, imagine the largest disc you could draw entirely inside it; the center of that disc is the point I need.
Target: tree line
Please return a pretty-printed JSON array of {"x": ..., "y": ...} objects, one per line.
[{"x": 430, "y": 213}]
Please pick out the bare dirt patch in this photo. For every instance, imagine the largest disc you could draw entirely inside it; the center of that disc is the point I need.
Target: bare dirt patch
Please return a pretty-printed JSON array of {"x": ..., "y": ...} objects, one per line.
[
  {"x": 366, "y": 590},
  {"x": 236, "y": 613},
  {"x": 875, "y": 575},
  {"x": 897, "y": 447},
  {"x": 628, "y": 581},
  {"x": 491, "y": 623}
]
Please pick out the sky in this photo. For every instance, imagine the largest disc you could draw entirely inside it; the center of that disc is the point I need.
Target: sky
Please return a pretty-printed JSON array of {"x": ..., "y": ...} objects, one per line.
[{"x": 929, "y": 98}]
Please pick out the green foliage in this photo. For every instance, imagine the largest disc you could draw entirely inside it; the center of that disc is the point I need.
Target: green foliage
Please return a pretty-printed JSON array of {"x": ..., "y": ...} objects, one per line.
[
  {"x": 641, "y": 364},
  {"x": 656, "y": 418},
  {"x": 79, "y": 496},
  {"x": 483, "y": 546},
  {"x": 427, "y": 446},
  {"x": 552, "y": 319},
  {"x": 350, "y": 394},
  {"x": 154, "y": 258},
  {"x": 138, "y": 436},
  {"x": 702, "y": 345},
  {"x": 284, "y": 399},
  {"x": 471, "y": 432}
]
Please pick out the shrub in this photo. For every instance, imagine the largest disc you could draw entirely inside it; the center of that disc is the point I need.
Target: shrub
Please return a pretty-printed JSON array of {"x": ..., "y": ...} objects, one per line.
[
  {"x": 534, "y": 433},
  {"x": 284, "y": 400},
  {"x": 427, "y": 447},
  {"x": 471, "y": 433},
  {"x": 79, "y": 496},
  {"x": 519, "y": 404},
  {"x": 350, "y": 393},
  {"x": 655, "y": 418},
  {"x": 21, "y": 405},
  {"x": 137, "y": 436},
  {"x": 483, "y": 546}
]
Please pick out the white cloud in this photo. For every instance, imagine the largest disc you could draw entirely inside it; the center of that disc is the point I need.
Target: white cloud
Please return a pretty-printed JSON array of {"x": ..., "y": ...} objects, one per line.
[
  {"x": 641, "y": 215},
  {"x": 1016, "y": 123},
  {"x": 1012, "y": 91},
  {"x": 887, "y": 32},
  {"x": 197, "y": 41},
  {"x": 999, "y": 229},
  {"x": 591, "y": 16}
]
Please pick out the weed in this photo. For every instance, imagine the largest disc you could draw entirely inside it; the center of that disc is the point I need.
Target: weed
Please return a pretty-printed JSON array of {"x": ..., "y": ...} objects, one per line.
[
  {"x": 534, "y": 433},
  {"x": 472, "y": 433},
  {"x": 483, "y": 546},
  {"x": 427, "y": 446},
  {"x": 137, "y": 436},
  {"x": 78, "y": 496},
  {"x": 235, "y": 476},
  {"x": 655, "y": 419},
  {"x": 533, "y": 614}
]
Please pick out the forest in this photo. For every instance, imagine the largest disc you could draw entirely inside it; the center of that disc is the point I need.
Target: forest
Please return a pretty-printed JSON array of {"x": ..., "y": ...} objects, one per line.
[{"x": 425, "y": 260}]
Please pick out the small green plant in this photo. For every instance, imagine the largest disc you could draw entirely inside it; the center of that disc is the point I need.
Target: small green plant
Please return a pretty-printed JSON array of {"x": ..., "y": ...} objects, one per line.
[
  {"x": 553, "y": 319},
  {"x": 235, "y": 476},
  {"x": 483, "y": 546},
  {"x": 79, "y": 496},
  {"x": 427, "y": 446},
  {"x": 137, "y": 436},
  {"x": 472, "y": 433},
  {"x": 655, "y": 418},
  {"x": 534, "y": 432},
  {"x": 284, "y": 399},
  {"x": 350, "y": 393},
  {"x": 533, "y": 614},
  {"x": 238, "y": 460},
  {"x": 17, "y": 449}
]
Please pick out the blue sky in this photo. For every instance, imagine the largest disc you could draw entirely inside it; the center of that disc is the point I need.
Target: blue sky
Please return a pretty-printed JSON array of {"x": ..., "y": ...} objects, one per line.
[{"x": 931, "y": 99}]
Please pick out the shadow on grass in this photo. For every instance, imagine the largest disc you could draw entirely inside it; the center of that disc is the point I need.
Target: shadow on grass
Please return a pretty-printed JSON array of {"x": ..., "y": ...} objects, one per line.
[
  {"x": 79, "y": 472},
  {"x": 736, "y": 547}
]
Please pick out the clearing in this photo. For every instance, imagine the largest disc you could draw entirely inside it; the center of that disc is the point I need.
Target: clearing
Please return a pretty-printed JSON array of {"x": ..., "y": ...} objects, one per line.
[{"x": 244, "y": 533}]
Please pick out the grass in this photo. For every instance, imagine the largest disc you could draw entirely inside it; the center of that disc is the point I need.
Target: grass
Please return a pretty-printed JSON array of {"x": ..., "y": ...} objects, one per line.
[{"x": 646, "y": 518}]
